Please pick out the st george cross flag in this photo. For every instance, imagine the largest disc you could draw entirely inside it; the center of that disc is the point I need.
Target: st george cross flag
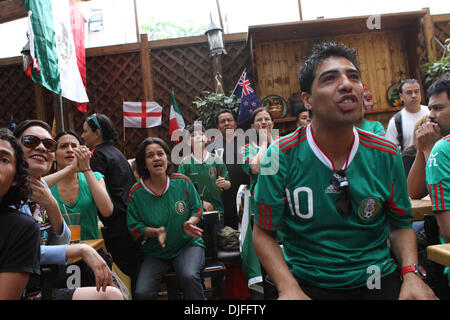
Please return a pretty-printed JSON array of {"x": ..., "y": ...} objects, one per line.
[
  {"x": 141, "y": 114},
  {"x": 176, "y": 119},
  {"x": 249, "y": 99},
  {"x": 53, "y": 50}
]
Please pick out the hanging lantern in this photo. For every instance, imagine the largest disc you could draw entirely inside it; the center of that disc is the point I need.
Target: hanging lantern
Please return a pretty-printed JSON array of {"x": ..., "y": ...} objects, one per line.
[{"x": 215, "y": 39}]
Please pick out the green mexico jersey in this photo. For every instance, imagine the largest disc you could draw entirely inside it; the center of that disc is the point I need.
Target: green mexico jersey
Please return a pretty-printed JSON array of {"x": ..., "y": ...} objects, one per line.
[
  {"x": 373, "y": 126},
  {"x": 437, "y": 172},
  {"x": 294, "y": 195},
  {"x": 171, "y": 209},
  {"x": 438, "y": 175},
  {"x": 205, "y": 174}
]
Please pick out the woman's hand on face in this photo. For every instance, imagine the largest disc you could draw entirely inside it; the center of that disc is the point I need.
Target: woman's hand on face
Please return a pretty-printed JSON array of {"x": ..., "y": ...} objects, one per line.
[
  {"x": 74, "y": 165},
  {"x": 40, "y": 194},
  {"x": 191, "y": 230},
  {"x": 84, "y": 156}
]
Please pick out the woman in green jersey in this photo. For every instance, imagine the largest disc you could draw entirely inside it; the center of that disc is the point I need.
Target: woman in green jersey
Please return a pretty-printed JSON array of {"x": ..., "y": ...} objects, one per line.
[{"x": 163, "y": 210}]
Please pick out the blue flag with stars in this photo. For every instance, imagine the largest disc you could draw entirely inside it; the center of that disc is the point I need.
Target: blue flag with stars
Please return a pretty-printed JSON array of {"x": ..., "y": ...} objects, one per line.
[{"x": 249, "y": 99}]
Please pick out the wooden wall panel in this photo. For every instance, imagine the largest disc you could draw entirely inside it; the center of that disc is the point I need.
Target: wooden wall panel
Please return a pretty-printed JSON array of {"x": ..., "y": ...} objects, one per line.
[{"x": 381, "y": 54}]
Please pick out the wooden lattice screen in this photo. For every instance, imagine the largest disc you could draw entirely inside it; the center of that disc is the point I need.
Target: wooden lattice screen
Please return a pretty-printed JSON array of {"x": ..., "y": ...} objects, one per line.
[
  {"x": 116, "y": 77},
  {"x": 16, "y": 95}
]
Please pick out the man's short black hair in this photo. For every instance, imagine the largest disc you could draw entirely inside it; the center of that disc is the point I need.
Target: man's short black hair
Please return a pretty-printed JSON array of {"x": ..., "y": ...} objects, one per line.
[
  {"x": 410, "y": 81},
  {"x": 440, "y": 85},
  {"x": 321, "y": 52},
  {"x": 225, "y": 111},
  {"x": 301, "y": 110}
]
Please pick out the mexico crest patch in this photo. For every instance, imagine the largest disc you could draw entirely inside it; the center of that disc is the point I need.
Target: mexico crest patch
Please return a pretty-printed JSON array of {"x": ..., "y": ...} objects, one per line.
[
  {"x": 180, "y": 207},
  {"x": 369, "y": 208}
]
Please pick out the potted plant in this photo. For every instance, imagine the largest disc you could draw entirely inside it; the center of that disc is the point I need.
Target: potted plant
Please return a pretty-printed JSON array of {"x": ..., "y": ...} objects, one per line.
[
  {"x": 436, "y": 68},
  {"x": 209, "y": 104}
]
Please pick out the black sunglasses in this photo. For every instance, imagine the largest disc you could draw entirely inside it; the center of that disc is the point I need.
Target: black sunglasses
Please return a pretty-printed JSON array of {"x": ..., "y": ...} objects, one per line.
[
  {"x": 31, "y": 141},
  {"x": 344, "y": 203}
]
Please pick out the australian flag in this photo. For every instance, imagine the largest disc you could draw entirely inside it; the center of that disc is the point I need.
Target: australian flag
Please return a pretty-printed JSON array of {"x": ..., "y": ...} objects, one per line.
[{"x": 249, "y": 100}]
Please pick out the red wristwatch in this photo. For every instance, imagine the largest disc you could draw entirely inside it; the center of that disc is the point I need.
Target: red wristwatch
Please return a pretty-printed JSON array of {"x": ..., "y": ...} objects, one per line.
[{"x": 420, "y": 271}]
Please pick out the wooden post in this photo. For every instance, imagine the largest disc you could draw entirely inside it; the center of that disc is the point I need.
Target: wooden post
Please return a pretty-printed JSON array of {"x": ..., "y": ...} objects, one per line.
[
  {"x": 428, "y": 28},
  {"x": 137, "y": 23},
  {"x": 147, "y": 79},
  {"x": 39, "y": 101},
  {"x": 70, "y": 122},
  {"x": 300, "y": 10},
  {"x": 217, "y": 69},
  {"x": 57, "y": 112},
  {"x": 220, "y": 14}
]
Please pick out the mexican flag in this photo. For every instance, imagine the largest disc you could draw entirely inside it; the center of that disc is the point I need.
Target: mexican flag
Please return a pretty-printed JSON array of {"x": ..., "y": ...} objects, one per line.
[
  {"x": 56, "y": 31},
  {"x": 176, "y": 119}
]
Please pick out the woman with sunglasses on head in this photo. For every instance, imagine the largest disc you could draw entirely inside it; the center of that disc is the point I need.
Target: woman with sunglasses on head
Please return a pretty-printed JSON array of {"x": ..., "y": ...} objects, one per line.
[
  {"x": 162, "y": 213},
  {"x": 99, "y": 134},
  {"x": 38, "y": 147},
  {"x": 19, "y": 233}
]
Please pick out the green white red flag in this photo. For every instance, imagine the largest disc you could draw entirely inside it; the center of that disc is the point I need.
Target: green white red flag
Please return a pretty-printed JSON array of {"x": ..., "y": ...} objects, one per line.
[
  {"x": 56, "y": 31},
  {"x": 176, "y": 120}
]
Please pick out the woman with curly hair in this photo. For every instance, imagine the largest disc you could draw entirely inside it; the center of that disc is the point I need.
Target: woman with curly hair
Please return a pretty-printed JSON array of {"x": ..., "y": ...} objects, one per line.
[{"x": 19, "y": 233}]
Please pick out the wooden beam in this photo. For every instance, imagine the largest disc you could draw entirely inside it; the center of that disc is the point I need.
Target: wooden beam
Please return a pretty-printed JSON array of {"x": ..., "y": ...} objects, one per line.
[
  {"x": 146, "y": 74},
  {"x": 39, "y": 101},
  {"x": 12, "y": 10},
  {"x": 440, "y": 18},
  {"x": 428, "y": 28}
]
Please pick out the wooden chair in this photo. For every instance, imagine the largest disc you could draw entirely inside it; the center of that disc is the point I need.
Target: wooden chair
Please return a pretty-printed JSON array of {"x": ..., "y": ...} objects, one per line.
[
  {"x": 435, "y": 272},
  {"x": 213, "y": 268}
]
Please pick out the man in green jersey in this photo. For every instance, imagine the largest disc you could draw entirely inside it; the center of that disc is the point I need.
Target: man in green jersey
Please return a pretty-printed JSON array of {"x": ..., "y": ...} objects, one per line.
[
  {"x": 335, "y": 194},
  {"x": 437, "y": 168}
]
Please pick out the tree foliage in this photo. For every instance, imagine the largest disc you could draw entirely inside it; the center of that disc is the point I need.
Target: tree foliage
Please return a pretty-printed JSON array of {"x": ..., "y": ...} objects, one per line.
[{"x": 158, "y": 30}]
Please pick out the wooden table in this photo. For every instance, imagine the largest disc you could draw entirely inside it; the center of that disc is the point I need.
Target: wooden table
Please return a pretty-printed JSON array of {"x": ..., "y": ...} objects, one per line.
[
  {"x": 439, "y": 253},
  {"x": 420, "y": 208},
  {"x": 95, "y": 244}
]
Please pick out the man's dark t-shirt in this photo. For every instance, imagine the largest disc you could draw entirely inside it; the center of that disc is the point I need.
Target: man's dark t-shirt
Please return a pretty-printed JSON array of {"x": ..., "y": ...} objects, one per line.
[
  {"x": 232, "y": 157},
  {"x": 20, "y": 239}
]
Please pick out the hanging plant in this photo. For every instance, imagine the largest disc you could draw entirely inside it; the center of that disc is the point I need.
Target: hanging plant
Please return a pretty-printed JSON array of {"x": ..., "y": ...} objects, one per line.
[
  {"x": 434, "y": 70},
  {"x": 209, "y": 104}
]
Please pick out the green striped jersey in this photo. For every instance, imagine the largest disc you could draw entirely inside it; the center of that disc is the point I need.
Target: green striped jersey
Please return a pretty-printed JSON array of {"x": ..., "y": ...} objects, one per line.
[
  {"x": 178, "y": 202},
  {"x": 294, "y": 195},
  {"x": 437, "y": 172},
  {"x": 249, "y": 152},
  {"x": 373, "y": 126},
  {"x": 204, "y": 174}
]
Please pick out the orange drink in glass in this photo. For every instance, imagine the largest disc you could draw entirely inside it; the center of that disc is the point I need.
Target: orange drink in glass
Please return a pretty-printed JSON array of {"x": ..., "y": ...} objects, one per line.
[{"x": 72, "y": 220}]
